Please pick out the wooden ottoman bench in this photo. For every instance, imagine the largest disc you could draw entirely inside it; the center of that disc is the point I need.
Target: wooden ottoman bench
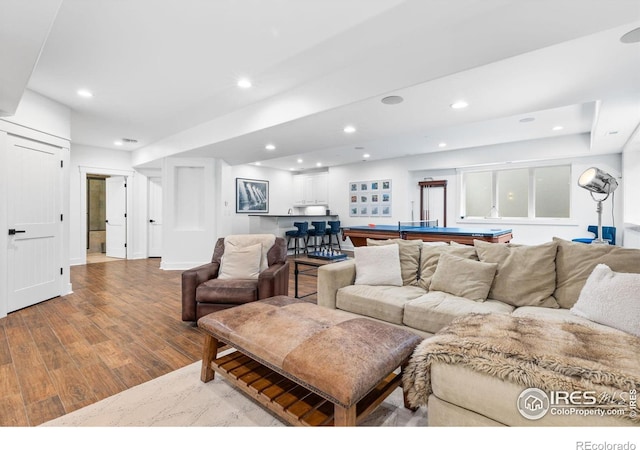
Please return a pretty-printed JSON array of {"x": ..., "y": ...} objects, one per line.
[{"x": 308, "y": 364}]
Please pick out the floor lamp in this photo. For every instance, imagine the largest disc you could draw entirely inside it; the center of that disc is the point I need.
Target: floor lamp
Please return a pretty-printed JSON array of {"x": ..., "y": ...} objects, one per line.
[{"x": 597, "y": 181}]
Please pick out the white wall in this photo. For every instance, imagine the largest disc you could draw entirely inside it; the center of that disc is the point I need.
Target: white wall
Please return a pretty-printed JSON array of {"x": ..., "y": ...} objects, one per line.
[
  {"x": 189, "y": 211},
  {"x": 407, "y": 172},
  {"x": 280, "y": 193}
]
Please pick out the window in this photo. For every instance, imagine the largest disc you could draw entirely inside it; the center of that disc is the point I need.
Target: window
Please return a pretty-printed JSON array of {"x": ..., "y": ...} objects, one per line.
[{"x": 522, "y": 193}]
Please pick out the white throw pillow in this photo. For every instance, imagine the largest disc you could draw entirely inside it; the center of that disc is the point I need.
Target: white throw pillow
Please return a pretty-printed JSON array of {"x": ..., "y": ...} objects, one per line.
[
  {"x": 378, "y": 265},
  {"x": 611, "y": 298},
  {"x": 241, "y": 263}
]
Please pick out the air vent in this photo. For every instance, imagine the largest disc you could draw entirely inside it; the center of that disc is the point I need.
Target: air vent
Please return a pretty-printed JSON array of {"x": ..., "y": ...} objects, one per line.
[{"x": 129, "y": 141}]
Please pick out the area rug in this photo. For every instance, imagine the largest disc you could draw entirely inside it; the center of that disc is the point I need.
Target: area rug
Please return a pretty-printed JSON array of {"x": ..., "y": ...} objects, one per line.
[{"x": 180, "y": 399}]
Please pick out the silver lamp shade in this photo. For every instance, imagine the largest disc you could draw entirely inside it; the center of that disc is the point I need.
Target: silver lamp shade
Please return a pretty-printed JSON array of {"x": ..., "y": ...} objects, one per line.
[{"x": 598, "y": 181}]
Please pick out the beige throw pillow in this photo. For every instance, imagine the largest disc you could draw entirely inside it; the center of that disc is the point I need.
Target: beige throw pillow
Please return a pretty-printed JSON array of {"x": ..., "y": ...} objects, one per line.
[
  {"x": 409, "y": 257},
  {"x": 240, "y": 263},
  {"x": 526, "y": 274},
  {"x": 611, "y": 298},
  {"x": 463, "y": 277},
  {"x": 378, "y": 265},
  {"x": 576, "y": 261},
  {"x": 430, "y": 256}
]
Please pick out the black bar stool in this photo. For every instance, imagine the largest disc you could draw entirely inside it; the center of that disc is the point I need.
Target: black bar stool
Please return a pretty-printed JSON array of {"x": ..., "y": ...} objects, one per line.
[
  {"x": 299, "y": 233},
  {"x": 318, "y": 231},
  {"x": 333, "y": 230}
]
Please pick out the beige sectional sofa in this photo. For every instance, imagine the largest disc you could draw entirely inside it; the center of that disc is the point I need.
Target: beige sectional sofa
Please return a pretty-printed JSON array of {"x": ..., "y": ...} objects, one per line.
[{"x": 532, "y": 286}]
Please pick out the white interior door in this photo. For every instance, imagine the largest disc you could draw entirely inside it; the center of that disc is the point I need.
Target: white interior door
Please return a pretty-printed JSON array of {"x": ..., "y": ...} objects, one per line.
[
  {"x": 33, "y": 211},
  {"x": 155, "y": 217},
  {"x": 116, "y": 213}
]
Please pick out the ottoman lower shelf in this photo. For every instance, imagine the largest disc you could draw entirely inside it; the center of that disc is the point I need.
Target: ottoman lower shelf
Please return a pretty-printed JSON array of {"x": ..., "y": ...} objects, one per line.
[{"x": 293, "y": 403}]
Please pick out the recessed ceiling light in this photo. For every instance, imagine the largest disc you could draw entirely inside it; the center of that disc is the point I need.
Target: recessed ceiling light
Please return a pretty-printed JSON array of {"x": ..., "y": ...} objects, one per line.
[
  {"x": 244, "y": 83},
  {"x": 631, "y": 37},
  {"x": 299, "y": 160},
  {"x": 291, "y": 168},
  {"x": 258, "y": 163},
  {"x": 349, "y": 129},
  {"x": 118, "y": 143},
  {"x": 527, "y": 119},
  {"x": 270, "y": 147},
  {"x": 392, "y": 100},
  {"x": 557, "y": 128},
  {"x": 85, "y": 93},
  {"x": 442, "y": 144},
  {"x": 460, "y": 104},
  {"x": 318, "y": 164},
  {"x": 366, "y": 155}
]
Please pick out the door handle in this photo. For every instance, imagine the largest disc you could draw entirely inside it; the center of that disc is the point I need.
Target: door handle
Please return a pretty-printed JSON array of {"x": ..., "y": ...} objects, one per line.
[
  {"x": 13, "y": 231},
  {"x": 151, "y": 221}
]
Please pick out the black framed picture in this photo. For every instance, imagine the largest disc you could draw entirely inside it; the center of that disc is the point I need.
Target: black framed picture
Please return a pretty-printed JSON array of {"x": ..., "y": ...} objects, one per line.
[{"x": 252, "y": 196}]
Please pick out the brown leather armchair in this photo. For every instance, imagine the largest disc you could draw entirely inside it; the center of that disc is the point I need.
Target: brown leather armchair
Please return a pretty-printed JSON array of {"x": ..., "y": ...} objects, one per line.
[{"x": 204, "y": 293}]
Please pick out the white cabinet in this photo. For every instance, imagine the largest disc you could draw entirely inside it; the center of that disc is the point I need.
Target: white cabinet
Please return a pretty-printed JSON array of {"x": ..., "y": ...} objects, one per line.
[
  {"x": 298, "y": 190},
  {"x": 311, "y": 189}
]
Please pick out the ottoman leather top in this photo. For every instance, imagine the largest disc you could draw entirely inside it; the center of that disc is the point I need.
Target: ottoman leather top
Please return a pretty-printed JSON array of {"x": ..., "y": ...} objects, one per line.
[{"x": 337, "y": 354}]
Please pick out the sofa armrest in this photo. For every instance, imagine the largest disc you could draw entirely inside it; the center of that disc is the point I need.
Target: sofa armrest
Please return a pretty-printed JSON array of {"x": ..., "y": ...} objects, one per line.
[
  {"x": 191, "y": 279},
  {"x": 332, "y": 277},
  {"x": 274, "y": 281}
]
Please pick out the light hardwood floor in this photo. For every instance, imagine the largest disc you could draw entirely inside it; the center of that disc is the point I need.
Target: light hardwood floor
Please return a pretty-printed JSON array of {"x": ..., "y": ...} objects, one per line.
[{"x": 119, "y": 328}]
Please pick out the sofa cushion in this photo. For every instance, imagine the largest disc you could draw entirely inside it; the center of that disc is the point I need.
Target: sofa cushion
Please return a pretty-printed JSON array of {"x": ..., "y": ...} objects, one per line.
[
  {"x": 241, "y": 262},
  {"x": 575, "y": 262},
  {"x": 538, "y": 312},
  {"x": 409, "y": 257},
  {"x": 380, "y": 302},
  {"x": 377, "y": 266},
  {"x": 611, "y": 298},
  {"x": 526, "y": 274},
  {"x": 430, "y": 256},
  {"x": 463, "y": 277},
  {"x": 435, "y": 310}
]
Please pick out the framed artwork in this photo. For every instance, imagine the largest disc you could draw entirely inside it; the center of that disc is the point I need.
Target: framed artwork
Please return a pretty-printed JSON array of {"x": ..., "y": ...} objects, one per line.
[
  {"x": 252, "y": 196},
  {"x": 370, "y": 198}
]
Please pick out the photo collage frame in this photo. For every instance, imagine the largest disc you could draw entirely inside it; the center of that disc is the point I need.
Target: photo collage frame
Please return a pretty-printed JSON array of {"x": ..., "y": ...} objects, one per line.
[{"x": 370, "y": 198}]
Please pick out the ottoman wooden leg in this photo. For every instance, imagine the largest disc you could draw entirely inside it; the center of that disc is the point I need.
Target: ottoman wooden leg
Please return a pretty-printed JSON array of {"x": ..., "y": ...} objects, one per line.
[
  {"x": 344, "y": 417},
  {"x": 209, "y": 353}
]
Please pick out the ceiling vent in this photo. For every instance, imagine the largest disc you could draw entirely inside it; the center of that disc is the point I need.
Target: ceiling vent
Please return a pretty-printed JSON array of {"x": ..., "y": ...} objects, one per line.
[{"x": 129, "y": 141}]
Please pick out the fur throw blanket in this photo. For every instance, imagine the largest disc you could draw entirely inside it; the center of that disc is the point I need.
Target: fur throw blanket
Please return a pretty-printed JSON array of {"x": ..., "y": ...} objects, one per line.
[{"x": 549, "y": 355}]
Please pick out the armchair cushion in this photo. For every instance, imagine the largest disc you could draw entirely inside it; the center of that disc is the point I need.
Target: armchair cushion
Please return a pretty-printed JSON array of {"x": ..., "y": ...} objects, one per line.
[
  {"x": 227, "y": 291},
  {"x": 241, "y": 262}
]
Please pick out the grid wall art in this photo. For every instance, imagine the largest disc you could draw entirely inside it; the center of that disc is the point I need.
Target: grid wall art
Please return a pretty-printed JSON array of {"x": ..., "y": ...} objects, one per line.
[{"x": 370, "y": 198}]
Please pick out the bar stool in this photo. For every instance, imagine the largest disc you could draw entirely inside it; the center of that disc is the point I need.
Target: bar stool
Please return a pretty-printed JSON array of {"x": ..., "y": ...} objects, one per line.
[
  {"x": 333, "y": 230},
  {"x": 300, "y": 232},
  {"x": 318, "y": 231}
]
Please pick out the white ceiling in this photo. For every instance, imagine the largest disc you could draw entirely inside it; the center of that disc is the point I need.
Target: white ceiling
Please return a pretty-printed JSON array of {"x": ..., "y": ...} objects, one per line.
[{"x": 164, "y": 72}]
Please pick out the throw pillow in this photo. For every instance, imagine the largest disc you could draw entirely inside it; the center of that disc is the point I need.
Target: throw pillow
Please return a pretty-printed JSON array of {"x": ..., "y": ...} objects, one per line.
[
  {"x": 575, "y": 262},
  {"x": 431, "y": 254},
  {"x": 611, "y": 298},
  {"x": 409, "y": 257},
  {"x": 245, "y": 240},
  {"x": 241, "y": 263},
  {"x": 378, "y": 265},
  {"x": 526, "y": 274},
  {"x": 463, "y": 277}
]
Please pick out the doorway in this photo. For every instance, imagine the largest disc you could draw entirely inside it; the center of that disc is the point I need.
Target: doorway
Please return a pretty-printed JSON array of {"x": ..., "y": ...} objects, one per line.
[{"x": 106, "y": 217}]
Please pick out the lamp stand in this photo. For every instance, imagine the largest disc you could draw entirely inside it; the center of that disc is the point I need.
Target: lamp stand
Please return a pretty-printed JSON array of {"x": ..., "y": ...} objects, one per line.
[{"x": 599, "y": 239}]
